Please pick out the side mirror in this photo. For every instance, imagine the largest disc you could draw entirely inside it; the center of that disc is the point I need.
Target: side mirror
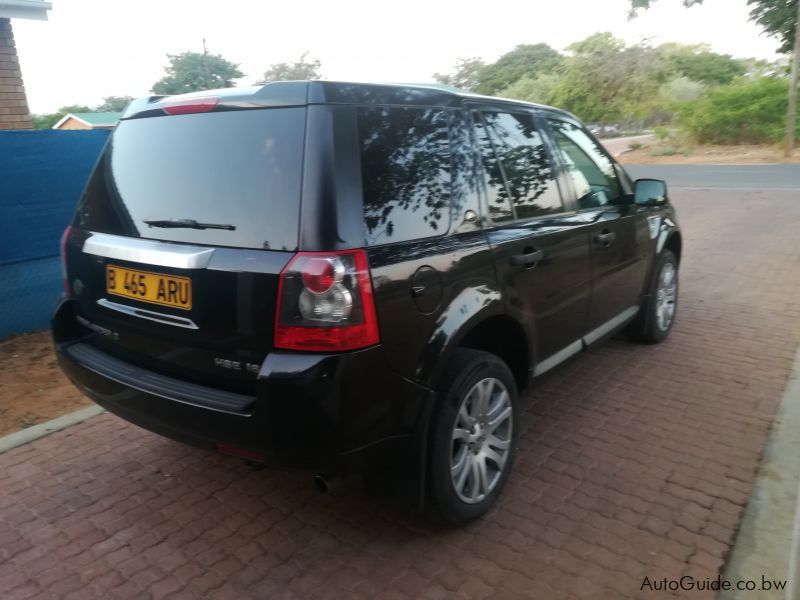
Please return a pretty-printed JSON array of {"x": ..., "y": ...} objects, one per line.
[{"x": 650, "y": 192}]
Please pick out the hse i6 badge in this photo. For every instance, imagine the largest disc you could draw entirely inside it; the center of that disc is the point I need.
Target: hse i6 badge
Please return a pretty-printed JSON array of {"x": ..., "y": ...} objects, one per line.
[{"x": 236, "y": 365}]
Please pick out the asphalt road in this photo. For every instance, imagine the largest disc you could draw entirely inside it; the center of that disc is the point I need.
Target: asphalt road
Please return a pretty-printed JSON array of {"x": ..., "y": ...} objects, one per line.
[{"x": 741, "y": 177}]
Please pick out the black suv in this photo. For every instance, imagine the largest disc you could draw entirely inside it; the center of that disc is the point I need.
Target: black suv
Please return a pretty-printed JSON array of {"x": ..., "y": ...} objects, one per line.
[{"x": 339, "y": 277}]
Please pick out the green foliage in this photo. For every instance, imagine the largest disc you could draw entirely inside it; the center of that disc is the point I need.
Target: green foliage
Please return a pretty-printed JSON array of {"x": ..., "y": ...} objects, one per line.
[
  {"x": 526, "y": 60},
  {"x": 537, "y": 89},
  {"x": 299, "y": 70},
  {"x": 662, "y": 133},
  {"x": 680, "y": 89},
  {"x": 778, "y": 18},
  {"x": 466, "y": 75},
  {"x": 47, "y": 121},
  {"x": 195, "y": 71},
  {"x": 114, "y": 103},
  {"x": 699, "y": 64},
  {"x": 717, "y": 98},
  {"x": 603, "y": 81},
  {"x": 743, "y": 112}
]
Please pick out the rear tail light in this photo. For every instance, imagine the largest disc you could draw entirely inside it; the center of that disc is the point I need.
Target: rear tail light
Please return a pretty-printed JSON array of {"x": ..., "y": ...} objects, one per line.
[
  {"x": 63, "y": 246},
  {"x": 185, "y": 106},
  {"x": 325, "y": 303}
]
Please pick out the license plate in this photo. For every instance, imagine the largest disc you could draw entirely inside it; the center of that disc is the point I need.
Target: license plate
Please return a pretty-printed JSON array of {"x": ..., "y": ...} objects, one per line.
[{"x": 155, "y": 288}]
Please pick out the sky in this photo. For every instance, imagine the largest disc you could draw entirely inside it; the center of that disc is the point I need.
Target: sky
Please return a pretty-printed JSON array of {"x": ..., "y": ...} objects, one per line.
[{"x": 89, "y": 49}]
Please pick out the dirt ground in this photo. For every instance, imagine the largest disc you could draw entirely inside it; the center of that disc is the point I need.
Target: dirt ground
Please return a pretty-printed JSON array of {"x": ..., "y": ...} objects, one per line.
[
  {"x": 32, "y": 387},
  {"x": 670, "y": 153}
]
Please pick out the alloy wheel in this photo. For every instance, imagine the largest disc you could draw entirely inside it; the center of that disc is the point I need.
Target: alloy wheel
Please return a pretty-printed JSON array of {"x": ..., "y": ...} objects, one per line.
[
  {"x": 481, "y": 440},
  {"x": 666, "y": 295}
]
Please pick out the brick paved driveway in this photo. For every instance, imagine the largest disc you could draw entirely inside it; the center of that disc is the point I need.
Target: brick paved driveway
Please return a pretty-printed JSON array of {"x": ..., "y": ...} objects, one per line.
[{"x": 634, "y": 461}]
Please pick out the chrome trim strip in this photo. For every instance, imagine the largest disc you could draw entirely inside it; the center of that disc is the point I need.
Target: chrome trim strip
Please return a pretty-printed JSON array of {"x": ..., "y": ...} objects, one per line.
[
  {"x": 613, "y": 323},
  {"x": 558, "y": 358},
  {"x": 151, "y": 252},
  {"x": 148, "y": 314}
]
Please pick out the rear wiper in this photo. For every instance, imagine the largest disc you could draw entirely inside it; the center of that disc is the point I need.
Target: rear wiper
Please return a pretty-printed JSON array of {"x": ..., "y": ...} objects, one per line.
[{"x": 186, "y": 224}]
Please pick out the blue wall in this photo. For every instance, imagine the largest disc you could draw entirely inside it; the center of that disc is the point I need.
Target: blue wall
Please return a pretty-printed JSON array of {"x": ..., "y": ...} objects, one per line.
[{"x": 42, "y": 175}]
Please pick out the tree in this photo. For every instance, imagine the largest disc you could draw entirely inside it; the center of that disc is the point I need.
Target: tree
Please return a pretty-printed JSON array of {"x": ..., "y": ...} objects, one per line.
[
  {"x": 779, "y": 18},
  {"x": 700, "y": 64},
  {"x": 47, "y": 121},
  {"x": 525, "y": 60},
  {"x": 532, "y": 89},
  {"x": 603, "y": 81},
  {"x": 465, "y": 76},
  {"x": 681, "y": 89},
  {"x": 114, "y": 103},
  {"x": 194, "y": 71},
  {"x": 297, "y": 71}
]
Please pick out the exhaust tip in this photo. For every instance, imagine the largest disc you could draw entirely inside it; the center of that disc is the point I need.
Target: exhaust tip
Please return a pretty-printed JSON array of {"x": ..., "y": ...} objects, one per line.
[{"x": 321, "y": 484}]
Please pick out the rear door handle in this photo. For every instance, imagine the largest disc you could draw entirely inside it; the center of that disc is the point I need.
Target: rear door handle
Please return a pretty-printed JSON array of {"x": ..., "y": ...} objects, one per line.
[
  {"x": 526, "y": 260},
  {"x": 605, "y": 238}
]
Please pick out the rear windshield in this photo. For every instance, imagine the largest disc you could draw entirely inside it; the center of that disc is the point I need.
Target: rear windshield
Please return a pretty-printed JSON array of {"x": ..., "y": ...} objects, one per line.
[{"x": 238, "y": 169}]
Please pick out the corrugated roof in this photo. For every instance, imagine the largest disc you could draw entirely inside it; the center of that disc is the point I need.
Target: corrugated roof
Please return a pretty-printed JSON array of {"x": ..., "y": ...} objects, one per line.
[
  {"x": 98, "y": 118},
  {"x": 24, "y": 9}
]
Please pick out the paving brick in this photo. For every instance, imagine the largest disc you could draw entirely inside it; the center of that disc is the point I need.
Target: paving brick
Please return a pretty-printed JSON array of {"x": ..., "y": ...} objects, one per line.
[{"x": 633, "y": 461}]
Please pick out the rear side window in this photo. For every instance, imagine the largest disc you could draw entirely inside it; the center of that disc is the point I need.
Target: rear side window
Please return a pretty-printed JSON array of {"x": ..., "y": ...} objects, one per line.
[
  {"x": 514, "y": 153},
  {"x": 241, "y": 169},
  {"x": 406, "y": 173}
]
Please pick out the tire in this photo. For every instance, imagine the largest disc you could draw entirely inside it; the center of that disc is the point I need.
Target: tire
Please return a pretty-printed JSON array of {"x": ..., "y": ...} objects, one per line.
[
  {"x": 464, "y": 437},
  {"x": 662, "y": 304}
]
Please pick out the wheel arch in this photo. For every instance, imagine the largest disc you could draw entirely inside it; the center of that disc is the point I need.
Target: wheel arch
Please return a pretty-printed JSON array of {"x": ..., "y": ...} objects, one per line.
[
  {"x": 674, "y": 244},
  {"x": 504, "y": 337}
]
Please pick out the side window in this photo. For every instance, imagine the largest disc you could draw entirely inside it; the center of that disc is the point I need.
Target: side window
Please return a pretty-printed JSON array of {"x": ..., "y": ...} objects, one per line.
[
  {"x": 521, "y": 150},
  {"x": 405, "y": 171},
  {"x": 593, "y": 175},
  {"x": 519, "y": 176}
]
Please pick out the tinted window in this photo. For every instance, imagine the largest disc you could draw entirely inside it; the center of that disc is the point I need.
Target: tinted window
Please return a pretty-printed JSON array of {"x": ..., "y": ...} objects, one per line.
[
  {"x": 238, "y": 168},
  {"x": 592, "y": 172},
  {"x": 496, "y": 190},
  {"x": 531, "y": 184},
  {"x": 405, "y": 169},
  {"x": 465, "y": 189}
]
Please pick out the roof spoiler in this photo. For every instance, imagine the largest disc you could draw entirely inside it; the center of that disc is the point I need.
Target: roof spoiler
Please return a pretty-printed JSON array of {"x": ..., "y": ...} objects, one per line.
[{"x": 279, "y": 93}]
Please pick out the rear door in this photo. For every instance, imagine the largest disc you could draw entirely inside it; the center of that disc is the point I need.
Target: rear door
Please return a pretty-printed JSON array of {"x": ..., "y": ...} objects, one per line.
[
  {"x": 541, "y": 258},
  {"x": 180, "y": 238},
  {"x": 617, "y": 228}
]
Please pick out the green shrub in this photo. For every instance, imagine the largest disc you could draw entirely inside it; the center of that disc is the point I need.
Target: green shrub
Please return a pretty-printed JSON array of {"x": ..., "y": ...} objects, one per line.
[
  {"x": 662, "y": 133},
  {"x": 743, "y": 112}
]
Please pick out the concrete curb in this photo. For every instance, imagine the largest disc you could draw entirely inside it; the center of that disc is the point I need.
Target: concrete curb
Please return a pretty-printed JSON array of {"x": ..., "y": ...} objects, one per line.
[
  {"x": 793, "y": 588},
  {"x": 35, "y": 432},
  {"x": 769, "y": 536}
]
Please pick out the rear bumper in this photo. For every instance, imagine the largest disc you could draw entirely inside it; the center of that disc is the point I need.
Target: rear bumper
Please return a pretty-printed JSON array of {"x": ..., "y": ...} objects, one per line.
[{"x": 332, "y": 413}]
